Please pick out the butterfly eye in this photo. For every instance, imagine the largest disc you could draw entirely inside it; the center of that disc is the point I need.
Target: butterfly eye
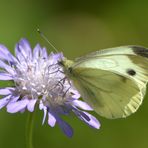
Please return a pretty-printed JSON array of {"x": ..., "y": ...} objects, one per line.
[
  {"x": 131, "y": 72},
  {"x": 61, "y": 63},
  {"x": 70, "y": 69}
]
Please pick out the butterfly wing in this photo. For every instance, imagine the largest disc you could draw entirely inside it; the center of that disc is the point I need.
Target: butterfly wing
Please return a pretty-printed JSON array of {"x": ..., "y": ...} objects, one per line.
[{"x": 112, "y": 81}]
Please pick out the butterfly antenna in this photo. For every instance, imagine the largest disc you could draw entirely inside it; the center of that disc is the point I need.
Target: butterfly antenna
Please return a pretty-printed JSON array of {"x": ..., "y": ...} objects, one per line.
[{"x": 45, "y": 38}]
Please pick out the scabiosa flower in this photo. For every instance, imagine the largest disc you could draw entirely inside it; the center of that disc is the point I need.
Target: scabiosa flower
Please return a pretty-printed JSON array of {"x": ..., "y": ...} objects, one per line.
[{"x": 40, "y": 81}]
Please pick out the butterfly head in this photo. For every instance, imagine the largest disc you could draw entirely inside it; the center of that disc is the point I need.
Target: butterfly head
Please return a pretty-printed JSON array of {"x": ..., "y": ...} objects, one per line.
[{"x": 67, "y": 65}]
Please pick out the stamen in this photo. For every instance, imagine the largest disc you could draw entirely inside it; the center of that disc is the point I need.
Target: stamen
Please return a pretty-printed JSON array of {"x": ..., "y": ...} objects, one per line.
[
  {"x": 66, "y": 92},
  {"x": 43, "y": 78}
]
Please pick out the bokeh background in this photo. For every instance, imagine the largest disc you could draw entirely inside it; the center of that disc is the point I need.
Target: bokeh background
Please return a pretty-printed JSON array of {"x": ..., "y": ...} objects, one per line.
[{"x": 76, "y": 28}]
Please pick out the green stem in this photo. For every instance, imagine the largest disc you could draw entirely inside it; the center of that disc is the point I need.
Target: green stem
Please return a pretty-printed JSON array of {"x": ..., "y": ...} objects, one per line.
[{"x": 29, "y": 129}]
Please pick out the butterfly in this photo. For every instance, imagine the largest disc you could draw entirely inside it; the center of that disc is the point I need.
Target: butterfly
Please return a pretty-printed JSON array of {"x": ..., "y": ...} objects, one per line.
[{"x": 112, "y": 81}]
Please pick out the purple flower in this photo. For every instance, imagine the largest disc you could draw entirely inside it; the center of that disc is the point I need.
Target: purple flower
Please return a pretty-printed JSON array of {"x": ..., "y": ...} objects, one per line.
[{"x": 39, "y": 80}]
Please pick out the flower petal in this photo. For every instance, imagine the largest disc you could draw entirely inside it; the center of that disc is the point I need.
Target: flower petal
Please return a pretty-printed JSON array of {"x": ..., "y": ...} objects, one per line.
[
  {"x": 5, "y": 76},
  {"x": 66, "y": 128},
  {"x": 41, "y": 105},
  {"x": 4, "y": 101},
  {"x": 82, "y": 105},
  {"x": 56, "y": 57},
  {"x": 20, "y": 56},
  {"x": 6, "y": 67},
  {"x": 3, "y": 52},
  {"x": 23, "y": 110},
  {"x": 80, "y": 114},
  {"x": 6, "y": 91},
  {"x": 14, "y": 98},
  {"x": 6, "y": 55},
  {"x": 44, "y": 108},
  {"x": 93, "y": 121},
  {"x": 51, "y": 120},
  {"x": 44, "y": 53},
  {"x": 75, "y": 93},
  {"x": 17, "y": 106},
  {"x": 25, "y": 48},
  {"x": 31, "y": 105},
  {"x": 45, "y": 114},
  {"x": 36, "y": 51}
]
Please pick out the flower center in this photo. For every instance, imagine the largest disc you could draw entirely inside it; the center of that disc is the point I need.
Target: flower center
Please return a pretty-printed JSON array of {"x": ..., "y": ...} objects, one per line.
[{"x": 42, "y": 79}]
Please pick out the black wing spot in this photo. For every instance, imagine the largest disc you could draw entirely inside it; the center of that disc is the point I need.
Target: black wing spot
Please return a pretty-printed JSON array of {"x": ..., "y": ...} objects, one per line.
[
  {"x": 140, "y": 51},
  {"x": 131, "y": 72}
]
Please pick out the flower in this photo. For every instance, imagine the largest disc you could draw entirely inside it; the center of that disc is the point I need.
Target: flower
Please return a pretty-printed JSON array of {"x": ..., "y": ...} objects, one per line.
[{"x": 40, "y": 81}]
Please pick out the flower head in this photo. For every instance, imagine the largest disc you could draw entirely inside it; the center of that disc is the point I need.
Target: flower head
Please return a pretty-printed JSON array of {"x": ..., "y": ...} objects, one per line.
[{"x": 40, "y": 81}]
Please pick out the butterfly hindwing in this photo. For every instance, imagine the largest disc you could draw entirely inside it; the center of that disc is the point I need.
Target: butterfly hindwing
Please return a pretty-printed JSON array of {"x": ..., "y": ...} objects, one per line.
[{"x": 108, "y": 93}]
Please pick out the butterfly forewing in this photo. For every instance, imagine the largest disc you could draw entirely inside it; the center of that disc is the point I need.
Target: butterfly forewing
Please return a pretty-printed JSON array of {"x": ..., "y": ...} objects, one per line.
[{"x": 112, "y": 81}]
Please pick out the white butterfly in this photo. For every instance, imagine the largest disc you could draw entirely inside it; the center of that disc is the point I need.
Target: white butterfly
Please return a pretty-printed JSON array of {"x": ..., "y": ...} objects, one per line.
[{"x": 112, "y": 81}]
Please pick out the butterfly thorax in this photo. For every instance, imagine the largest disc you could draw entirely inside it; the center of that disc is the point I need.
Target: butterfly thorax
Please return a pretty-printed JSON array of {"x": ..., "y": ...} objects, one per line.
[{"x": 67, "y": 66}]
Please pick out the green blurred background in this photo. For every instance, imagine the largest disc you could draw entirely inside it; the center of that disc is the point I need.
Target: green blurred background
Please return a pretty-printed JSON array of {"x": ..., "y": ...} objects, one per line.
[{"x": 76, "y": 28}]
